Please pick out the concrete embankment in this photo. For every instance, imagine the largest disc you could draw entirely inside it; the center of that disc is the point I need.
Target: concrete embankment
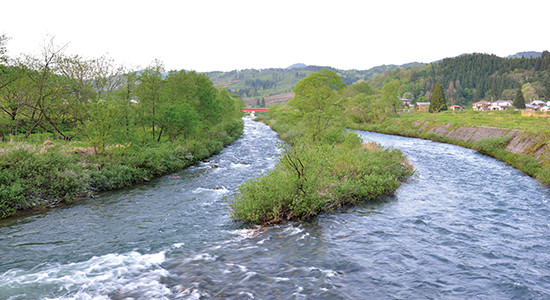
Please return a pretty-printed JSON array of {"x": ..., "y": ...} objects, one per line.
[
  {"x": 527, "y": 151},
  {"x": 521, "y": 143}
]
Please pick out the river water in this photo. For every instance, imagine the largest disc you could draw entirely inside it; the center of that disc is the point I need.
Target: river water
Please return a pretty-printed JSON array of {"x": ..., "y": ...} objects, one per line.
[{"x": 465, "y": 226}]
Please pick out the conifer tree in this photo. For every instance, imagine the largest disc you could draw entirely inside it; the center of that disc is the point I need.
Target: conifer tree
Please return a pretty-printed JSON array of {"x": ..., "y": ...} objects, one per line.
[
  {"x": 437, "y": 102},
  {"x": 519, "y": 101}
]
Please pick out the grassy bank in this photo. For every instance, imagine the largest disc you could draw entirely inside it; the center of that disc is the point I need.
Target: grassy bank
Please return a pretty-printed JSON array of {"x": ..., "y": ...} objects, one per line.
[
  {"x": 47, "y": 173},
  {"x": 437, "y": 126},
  {"x": 324, "y": 166}
]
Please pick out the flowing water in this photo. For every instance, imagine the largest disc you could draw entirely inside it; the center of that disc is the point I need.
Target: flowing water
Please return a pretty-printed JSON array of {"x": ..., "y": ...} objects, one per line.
[{"x": 465, "y": 226}]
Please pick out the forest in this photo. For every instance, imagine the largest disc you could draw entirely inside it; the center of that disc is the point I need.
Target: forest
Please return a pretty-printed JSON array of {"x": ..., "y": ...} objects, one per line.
[
  {"x": 472, "y": 77},
  {"x": 70, "y": 126}
]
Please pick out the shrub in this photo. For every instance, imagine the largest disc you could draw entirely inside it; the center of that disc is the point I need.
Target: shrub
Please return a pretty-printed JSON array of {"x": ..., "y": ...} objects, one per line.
[{"x": 311, "y": 180}]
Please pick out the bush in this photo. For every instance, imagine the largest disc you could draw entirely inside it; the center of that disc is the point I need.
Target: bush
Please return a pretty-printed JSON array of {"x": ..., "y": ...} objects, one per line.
[
  {"x": 29, "y": 178},
  {"x": 311, "y": 180}
]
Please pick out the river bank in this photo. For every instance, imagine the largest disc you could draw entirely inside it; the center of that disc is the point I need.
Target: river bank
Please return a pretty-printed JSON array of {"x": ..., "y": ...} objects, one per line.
[
  {"x": 36, "y": 177},
  {"x": 520, "y": 141}
]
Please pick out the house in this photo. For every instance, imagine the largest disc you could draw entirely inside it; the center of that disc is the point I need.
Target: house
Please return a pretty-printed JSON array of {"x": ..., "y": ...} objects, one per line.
[
  {"x": 455, "y": 107},
  {"x": 480, "y": 105},
  {"x": 422, "y": 106},
  {"x": 500, "y": 105},
  {"x": 531, "y": 107},
  {"x": 538, "y": 103}
]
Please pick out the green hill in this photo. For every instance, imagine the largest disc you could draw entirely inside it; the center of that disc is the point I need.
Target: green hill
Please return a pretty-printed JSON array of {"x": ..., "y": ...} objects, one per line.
[{"x": 276, "y": 85}]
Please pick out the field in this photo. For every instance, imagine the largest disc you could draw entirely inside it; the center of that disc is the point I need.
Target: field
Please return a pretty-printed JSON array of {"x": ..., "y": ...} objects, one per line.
[{"x": 534, "y": 122}]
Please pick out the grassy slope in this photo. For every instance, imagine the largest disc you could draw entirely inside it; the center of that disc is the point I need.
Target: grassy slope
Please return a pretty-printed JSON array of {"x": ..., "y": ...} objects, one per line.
[{"x": 539, "y": 126}]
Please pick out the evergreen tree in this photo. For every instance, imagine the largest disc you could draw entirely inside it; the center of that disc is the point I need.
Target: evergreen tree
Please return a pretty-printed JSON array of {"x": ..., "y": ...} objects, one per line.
[
  {"x": 258, "y": 102},
  {"x": 263, "y": 102},
  {"x": 519, "y": 101},
  {"x": 437, "y": 102}
]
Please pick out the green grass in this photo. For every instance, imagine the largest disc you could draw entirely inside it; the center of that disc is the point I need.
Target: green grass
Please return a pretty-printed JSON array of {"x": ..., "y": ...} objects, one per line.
[
  {"x": 419, "y": 124},
  {"x": 501, "y": 119},
  {"x": 38, "y": 174}
]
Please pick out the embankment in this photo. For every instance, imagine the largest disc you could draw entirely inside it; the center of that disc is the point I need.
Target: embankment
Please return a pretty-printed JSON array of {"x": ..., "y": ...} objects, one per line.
[{"x": 527, "y": 151}]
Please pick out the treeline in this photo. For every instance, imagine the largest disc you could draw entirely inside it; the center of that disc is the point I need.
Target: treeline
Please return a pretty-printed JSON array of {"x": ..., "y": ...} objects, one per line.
[
  {"x": 71, "y": 126},
  {"x": 473, "y": 77},
  {"x": 95, "y": 100}
]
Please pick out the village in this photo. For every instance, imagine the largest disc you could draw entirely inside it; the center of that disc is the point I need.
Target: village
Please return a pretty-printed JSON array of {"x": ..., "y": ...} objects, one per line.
[{"x": 498, "y": 105}]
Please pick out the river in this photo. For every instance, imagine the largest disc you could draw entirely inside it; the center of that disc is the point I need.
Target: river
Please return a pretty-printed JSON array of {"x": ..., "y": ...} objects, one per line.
[{"x": 465, "y": 226}]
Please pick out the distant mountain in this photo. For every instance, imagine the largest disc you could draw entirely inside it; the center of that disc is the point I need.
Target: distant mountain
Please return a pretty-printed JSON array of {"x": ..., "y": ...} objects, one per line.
[
  {"x": 296, "y": 66},
  {"x": 526, "y": 54}
]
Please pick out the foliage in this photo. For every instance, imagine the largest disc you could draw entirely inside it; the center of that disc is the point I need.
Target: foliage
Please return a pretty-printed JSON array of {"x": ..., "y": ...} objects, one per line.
[
  {"x": 315, "y": 101},
  {"x": 519, "y": 101},
  {"x": 437, "y": 101},
  {"x": 26, "y": 178},
  {"x": 362, "y": 104},
  {"x": 109, "y": 127},
  {"x": 319, "y": 174}
]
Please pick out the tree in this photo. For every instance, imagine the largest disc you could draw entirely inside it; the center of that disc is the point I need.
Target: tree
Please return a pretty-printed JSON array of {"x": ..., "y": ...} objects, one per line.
[
  {"x": 3, "y": 49},
  {"x": 49, "y": 88},
  {"x": 148, "y": 92},
  {"x": 529, "y": 92},
  {"x": 389, "y": 96},
  {"x": 262, "y": 104},
  {"x": 519, "y": 101},
  {"x": 437, "y": 101},
  {"x": 315, "y": 100}
]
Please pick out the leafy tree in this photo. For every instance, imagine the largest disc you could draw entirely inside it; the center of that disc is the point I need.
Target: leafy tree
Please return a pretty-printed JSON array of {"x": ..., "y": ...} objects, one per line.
[
  {"x": 519, "y": 101},
  {"x": 389, "y": 96},
  {"x": 315, "y": 101},
  {"x": 148, "y": 92},
  {"x": 437, "y": 101},
  {"x": 3, "y": 49}
]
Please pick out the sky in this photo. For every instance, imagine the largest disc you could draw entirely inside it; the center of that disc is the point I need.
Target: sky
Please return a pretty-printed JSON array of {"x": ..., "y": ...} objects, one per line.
[{"x": 224, "y": 35}]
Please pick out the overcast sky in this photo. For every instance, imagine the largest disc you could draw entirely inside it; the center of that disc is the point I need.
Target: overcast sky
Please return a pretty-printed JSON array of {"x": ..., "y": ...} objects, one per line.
[{"x": 208, "y": 35}]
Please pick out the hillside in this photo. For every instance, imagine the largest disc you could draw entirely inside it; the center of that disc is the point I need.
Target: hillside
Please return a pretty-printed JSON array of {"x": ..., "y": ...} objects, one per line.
[
  {"x": 275, "y": 85},
  {"x": 472, "y": 77}
]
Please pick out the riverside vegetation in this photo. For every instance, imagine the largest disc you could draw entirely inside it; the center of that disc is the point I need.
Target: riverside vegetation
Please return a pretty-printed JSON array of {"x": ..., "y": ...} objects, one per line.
[
  {"x": 71, "y": 126},
  {"x": 531, "y": 130},
  {"x": 324, "y": 166}
]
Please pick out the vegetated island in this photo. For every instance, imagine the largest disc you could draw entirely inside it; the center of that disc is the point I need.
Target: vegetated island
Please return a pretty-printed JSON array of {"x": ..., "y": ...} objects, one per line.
[
  {"x": 324, "y": 166},
  {"x": 71, "y": 126}
]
